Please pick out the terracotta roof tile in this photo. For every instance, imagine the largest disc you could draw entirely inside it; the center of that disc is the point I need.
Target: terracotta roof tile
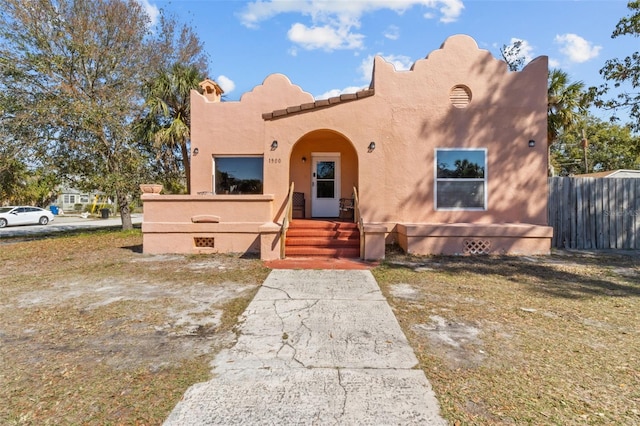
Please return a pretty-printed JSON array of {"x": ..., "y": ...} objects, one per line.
[
  {"x": 348, "y": 97},
  {"x": 322, "y": 103}
]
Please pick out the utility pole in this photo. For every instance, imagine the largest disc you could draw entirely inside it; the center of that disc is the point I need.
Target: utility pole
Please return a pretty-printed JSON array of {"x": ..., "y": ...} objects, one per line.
[{"x": 585, "y": 145}]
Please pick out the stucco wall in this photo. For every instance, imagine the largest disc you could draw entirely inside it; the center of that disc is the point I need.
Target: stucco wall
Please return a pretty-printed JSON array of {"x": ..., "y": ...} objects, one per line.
[
  {"x": 408, "y": 116},
  {"x": 506, "y": 111},
  {"x": 411, "y": 114},
  {"x": 237, "y": 128}
]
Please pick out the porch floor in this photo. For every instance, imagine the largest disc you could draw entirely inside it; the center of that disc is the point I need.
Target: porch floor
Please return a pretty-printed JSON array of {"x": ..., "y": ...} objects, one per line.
[{"x": 320, "y": 263}]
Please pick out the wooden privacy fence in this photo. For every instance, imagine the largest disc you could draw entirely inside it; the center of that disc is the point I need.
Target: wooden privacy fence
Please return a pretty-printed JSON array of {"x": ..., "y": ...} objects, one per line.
[{"x": 595, "y": 213}]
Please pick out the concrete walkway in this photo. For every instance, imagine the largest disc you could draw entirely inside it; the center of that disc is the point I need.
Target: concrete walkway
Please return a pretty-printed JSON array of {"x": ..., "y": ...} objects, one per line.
[{"x": 315, "y": 347}]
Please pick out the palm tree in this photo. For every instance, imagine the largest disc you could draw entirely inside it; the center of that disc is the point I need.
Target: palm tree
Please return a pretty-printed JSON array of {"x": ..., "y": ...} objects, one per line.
[
  {"x": 567, "y": 105},
  {"x": 168, "y": 119}
]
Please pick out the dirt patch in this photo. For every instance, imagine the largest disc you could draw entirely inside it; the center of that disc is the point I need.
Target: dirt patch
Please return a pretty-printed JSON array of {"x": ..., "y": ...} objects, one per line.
[
  {"x": 455, "y": 342},
  {"x": 95, "y": 332}
]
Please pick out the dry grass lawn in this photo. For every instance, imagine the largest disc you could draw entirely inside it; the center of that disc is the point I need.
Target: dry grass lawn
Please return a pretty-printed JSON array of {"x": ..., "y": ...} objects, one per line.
[
  {"x": 94, "y": 332},
  {"x": 505, "y": 340}
]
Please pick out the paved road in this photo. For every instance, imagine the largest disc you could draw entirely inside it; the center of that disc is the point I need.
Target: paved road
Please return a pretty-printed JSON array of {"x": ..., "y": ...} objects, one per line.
[{"x": 65, "y": 223}]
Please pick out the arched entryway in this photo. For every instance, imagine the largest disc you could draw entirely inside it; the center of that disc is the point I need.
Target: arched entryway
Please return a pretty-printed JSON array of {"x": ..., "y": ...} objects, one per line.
[{"x": 324, "y": 167}]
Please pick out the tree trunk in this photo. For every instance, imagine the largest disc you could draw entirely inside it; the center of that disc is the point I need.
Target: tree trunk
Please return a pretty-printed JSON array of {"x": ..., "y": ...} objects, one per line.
[
  {"x": 125, "y": 212},
  {"x": 187, "y": 165}
]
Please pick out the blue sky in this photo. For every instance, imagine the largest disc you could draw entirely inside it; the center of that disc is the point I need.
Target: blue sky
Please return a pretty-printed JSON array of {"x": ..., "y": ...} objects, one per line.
[{"x": 327, "y": 46}]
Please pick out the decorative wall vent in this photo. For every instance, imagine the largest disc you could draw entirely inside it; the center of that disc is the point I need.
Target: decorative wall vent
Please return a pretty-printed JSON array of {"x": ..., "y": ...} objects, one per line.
[
  {"x": 207, "y": 242},
  {"x": 476, "y": 247},
  {"x": 460, "y": 96}
]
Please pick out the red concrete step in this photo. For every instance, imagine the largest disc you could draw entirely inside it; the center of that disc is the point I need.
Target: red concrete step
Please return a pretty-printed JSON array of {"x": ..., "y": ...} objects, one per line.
[
  {"x": 322, "y": 238},
  {"x": 322, "y": 252},
  {"x": 320, "y": 233},
  {"x": 322, "y": 224},
  {"x": 322, "y": 242}
]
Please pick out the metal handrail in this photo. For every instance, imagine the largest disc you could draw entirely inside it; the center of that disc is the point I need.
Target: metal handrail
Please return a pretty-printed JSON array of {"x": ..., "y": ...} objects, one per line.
[
  {"x": 357, "y": 218},
  {"x": 288, "y": 216}
]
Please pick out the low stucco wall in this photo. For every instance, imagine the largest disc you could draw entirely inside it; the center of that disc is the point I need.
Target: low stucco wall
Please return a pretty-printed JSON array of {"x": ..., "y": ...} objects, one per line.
[
  {"x": 210, "y": 224},
  {"x": 470, "y": 238}
]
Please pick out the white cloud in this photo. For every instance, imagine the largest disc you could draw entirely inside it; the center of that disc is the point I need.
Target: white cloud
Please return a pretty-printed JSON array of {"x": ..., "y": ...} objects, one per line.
[
  {"x": 554, "y": 63},
  {"x": 324, "y": 37},
  {"x": 332, "y": 22},
  {"x": 261, "y": 10},
  {"x": 151, "y": 9},
  {"x": 450, "y": 9},
  {"x": 337, "y": 92},
  {"x": 392, "y": 32},
  {"x": 400, "y": 63},
  {"x": 576, "y": 48},
  {"x": 226, "y": 83}
]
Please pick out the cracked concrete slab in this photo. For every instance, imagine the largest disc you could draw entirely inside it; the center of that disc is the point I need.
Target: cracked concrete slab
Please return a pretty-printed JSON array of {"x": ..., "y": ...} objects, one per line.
[
  {"x": 314, "y": 347},
  {"x": 331, "y": 284}
]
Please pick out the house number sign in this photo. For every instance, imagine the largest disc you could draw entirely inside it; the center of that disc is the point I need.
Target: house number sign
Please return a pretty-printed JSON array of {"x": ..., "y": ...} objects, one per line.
[{"x": 275, "y": 160}]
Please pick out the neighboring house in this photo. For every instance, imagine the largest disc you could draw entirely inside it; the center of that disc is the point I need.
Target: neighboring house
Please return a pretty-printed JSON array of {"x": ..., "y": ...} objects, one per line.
[
  {"x": 73, "y": 200},
  {"x": 620, "y": 173},
  {"x": 449, "y": 157}
]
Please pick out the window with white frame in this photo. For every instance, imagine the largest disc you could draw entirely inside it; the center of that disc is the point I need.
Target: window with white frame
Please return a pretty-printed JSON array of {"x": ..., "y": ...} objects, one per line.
[
  {"x": 238, "y": 175},
  {"x": 461, "y": 179}
]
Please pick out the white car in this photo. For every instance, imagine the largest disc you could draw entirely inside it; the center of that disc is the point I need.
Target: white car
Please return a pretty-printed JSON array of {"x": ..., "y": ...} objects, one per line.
[{"x": 24, "y": 215}]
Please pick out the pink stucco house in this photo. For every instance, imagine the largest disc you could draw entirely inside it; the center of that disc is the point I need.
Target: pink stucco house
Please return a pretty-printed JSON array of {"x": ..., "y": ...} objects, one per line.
[{"x": 447, "y": 158}]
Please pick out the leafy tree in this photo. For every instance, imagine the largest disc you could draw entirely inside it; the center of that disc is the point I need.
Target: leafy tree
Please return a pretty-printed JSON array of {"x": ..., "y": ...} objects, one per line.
[
  {"x": 78, "y": 64},
  {"x": 38, "y": 189},
  {"x": 19, "y": 169},
  {"x": 12, "y": 174},
  {"x": 75, "y": 68},
  {"x": 167, "y": 105},
  {"x": 12, "y": 152},
  {"x": 168, "y": 120},
  {"x": 624, "y": 71},
  {"x": 513, "y": 56},
  {"x": 19, "y": 185},
  {"x": 610, "y": 147}
]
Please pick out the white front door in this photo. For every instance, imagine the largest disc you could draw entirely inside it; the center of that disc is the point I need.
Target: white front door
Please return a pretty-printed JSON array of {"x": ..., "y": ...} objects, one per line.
[{"x": 325, "y": 185}]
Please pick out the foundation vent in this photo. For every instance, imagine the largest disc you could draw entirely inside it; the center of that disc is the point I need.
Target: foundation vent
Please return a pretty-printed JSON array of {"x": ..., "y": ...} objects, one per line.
[
  {"x": 204, "y": 242},
  {"x": 460, "y": 96},
  {"x": 476, "y": 247}
]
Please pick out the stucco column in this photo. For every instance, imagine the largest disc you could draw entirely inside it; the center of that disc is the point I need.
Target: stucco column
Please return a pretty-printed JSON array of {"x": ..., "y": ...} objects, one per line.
[
  {"x": 374, "y": 241},
  {"x": 269, "y": 241}
]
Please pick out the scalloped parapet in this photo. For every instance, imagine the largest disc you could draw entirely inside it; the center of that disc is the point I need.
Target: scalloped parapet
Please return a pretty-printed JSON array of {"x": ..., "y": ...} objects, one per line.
[
  {"x": 454, "y": 50},
  {"x": 278, "y": 88},
  {"x": 458, "y": 62},
  {"x": 458, "y": 49}
]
